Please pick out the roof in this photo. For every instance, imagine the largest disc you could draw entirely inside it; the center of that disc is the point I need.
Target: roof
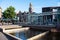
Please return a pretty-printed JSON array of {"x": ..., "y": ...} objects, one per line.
[{"x": 52, "y": 7}]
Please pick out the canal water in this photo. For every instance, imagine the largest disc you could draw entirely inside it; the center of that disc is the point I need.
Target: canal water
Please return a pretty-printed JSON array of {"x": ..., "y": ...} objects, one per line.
[
  {"x": 33, "y": 32},
  {"x": 52, "y": 36},
  {"x": 28, "y": 34}
]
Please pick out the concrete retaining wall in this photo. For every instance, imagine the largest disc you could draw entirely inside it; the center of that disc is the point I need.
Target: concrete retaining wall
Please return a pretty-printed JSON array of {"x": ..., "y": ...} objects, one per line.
[
  {"x": 16, "y": 30},
  {"x": 37, "y": 37},
  {"x": 11, "y": 37}
]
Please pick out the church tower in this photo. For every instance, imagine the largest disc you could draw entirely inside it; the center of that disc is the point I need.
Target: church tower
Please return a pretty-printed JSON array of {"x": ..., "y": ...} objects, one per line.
[
  {"x": 0, "y": 12},
  {"x": 30, "y": 8}
]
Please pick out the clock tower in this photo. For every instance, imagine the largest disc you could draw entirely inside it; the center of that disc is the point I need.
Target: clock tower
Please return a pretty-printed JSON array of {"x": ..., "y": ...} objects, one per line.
[{"x": 30, "y": 8}]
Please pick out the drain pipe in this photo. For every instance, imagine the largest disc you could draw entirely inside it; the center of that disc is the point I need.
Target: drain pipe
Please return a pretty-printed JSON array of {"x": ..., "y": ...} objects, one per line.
[{"x": 38, "y": 36}]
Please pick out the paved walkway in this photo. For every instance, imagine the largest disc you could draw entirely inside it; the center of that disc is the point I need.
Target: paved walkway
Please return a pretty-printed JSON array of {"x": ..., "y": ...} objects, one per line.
[
  {"x": 10, "y": 26},
  {"x": 2, "y": 36},
  {"x": 16, "y": 30}
]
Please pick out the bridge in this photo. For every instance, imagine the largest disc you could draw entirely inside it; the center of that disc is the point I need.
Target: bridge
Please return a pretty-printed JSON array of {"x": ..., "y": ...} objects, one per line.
[
  {"x": 52, "y": 28},
  {"x": 43, "y": 27}
]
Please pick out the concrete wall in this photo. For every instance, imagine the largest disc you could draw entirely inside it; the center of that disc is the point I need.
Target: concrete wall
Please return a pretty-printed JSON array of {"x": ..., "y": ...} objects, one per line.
[
  {"x": 11, "y": 37},
  {"x": 39, "y": 36}
]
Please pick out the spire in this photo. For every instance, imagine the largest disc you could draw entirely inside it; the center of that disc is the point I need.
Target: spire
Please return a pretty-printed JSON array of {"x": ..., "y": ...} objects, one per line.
[
  {"x": 30, "y": 8},
  {"x": 30, "y": 4}
]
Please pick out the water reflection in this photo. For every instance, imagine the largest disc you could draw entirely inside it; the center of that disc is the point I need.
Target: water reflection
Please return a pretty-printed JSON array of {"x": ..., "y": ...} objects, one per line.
[
  {"x": 52, "y": 36},
  {"x": 20, "y": 35},
  {"x": 28, "y": 34},
  {"x": 32, "y": 32},
  {"x": 56, "y": 35}
]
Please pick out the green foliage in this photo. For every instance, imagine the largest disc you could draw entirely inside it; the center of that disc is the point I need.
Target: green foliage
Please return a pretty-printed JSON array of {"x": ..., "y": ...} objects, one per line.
[{"x": 9, "y": 13}]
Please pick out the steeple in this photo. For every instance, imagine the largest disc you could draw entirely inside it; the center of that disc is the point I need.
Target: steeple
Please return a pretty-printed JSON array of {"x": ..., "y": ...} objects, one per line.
[
  {"x": 30, "y": 4},
  {"x": 30, "y": 8}
]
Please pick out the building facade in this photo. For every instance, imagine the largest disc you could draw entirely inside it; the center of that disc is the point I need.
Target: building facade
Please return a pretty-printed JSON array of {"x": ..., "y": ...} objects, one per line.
[
  {"x": 52, "y": 15},
  {"x": 49, "y": 16}
]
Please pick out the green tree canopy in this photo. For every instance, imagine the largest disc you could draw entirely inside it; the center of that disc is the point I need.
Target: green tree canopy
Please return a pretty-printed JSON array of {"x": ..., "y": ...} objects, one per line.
[{"x": 9, "y": 13}]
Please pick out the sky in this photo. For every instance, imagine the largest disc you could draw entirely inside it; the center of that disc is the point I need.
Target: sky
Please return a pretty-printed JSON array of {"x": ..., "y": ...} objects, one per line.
[{"x": 23, "y": 5}]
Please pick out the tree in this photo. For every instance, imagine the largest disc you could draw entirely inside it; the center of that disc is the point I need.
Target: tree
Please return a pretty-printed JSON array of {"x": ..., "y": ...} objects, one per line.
[{"x": 9, "y": 13}]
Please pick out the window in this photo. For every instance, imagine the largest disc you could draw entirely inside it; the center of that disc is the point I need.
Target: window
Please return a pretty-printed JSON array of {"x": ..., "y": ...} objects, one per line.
[{"x": 54, "y": 10}]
